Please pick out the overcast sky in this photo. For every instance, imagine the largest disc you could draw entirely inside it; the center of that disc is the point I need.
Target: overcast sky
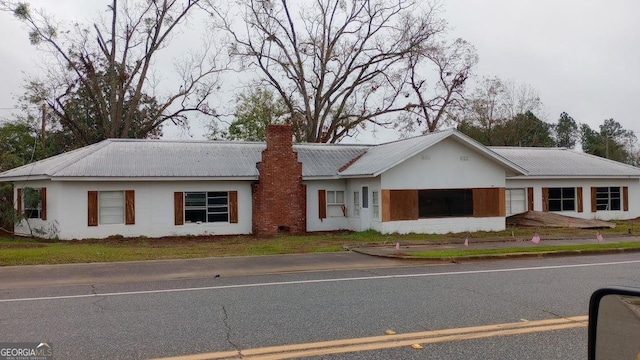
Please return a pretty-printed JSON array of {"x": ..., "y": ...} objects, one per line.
[{"x": 582, "y": 56}]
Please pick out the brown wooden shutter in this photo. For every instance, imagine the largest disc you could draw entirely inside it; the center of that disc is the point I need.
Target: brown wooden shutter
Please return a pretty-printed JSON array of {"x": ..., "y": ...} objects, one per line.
[
  {"x": 19, "y": 202},
  {"x": 43, "y": 203},
  {"x": 625, "y": 198},
  {"x": 92, "y": 209},
  {"x": 178, "y": 207},
  {"x": 233, "y": 207},
  {"x": 530, "y": 199},
  {"x": 579, "y": 196},
  {"x": 545, "y": 199},
  {"x": 129, "y": 207},
  {"x": 386, "y": 205},
  {"x": 403, "y": 205},
  {"x": 502, "y": 201},
  {"x": 594, "y": 201},
  {"x": 322, "y": 204}
]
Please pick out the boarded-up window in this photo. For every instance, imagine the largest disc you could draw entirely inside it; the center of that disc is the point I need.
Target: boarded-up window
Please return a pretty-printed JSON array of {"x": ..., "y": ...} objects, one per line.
[
  {"x": 130, "y": 207},
  {"x": 489, "y": 202},
  {"x": 322, "y": 204},
  {"x": 92, "y": 208},
  {"x": 178, "y": 208},
  {"x": 233, "y": 207},
  {"x": 403, "y": 205}
]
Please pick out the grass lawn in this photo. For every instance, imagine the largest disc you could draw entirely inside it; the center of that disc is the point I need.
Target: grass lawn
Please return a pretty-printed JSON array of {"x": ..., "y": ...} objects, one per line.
[
  {"x": 453, "y": 253},
  {"x": 28, "y": 251}
]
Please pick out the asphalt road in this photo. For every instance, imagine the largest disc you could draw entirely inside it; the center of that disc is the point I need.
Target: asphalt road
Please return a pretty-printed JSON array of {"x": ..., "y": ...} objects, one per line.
[{"x": 171, "y": 315}]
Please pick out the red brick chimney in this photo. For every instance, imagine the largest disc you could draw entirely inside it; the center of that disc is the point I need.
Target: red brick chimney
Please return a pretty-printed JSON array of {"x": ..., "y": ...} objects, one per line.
[{"x": 279, "y": 197}]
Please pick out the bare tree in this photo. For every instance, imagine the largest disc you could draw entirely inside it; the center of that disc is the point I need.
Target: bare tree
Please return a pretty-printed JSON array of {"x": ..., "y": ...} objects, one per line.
[
  {"x": 338, "y": 64},
  {"x": 495, "y": 102},
  {"x": 433, "y": 98},
  {"x": 101, "y": 82}
]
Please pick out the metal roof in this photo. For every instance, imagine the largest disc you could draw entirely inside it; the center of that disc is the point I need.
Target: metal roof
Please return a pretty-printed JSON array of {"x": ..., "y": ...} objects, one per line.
[
  {"x": 383, "y": 157},
  {"x": 131, "y": 158},
  {"x": 562, "y": 162}
]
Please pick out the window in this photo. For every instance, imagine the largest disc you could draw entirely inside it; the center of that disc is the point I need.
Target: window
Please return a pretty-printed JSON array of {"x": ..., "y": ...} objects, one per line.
[
  {"x": 608, "y": 198},
  {"x": 356, "y": 203},
  {"x": 32, "y": 203},
  {"x": 365, "y": 197},
  {"x": 375, "y": 202},
  {"x": 516, "y": 201},
  {"x": 111, "y": 207},
  {"x": 335, "y": 203},
  {"x": 212, "y": 206},
  {"x": 444, "y": 203},
  {"x": 562, "y": 199}
]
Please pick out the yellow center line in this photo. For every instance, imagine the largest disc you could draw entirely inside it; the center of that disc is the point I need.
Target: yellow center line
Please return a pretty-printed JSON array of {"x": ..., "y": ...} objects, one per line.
[{"x": 391, "y": 341}]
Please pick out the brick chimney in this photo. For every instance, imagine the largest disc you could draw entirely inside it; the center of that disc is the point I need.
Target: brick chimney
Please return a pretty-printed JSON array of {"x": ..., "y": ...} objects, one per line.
[{"x": 279, "y": 197}]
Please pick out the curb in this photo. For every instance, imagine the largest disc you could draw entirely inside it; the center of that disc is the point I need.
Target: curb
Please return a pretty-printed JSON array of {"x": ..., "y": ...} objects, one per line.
[{"x": 516, "y": 255}]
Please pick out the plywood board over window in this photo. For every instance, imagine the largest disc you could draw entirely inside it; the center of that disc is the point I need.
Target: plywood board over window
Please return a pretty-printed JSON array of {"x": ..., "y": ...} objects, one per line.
[
  {"x": 399, "y": 205},
  {"x": 489, "y": 202}
]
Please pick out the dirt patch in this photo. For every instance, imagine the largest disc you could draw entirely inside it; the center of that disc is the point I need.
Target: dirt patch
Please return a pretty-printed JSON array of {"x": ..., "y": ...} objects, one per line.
[{"x": 545, "y": 219}]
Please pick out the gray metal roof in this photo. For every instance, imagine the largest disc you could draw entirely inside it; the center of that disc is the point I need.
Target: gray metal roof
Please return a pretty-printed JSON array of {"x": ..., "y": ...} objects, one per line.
[
  {"x": 383, "y": 157},
  {"x": 129, "y": 158},
  {"x": 115, "y": 158},
  {"x": 561, "y": 162}
]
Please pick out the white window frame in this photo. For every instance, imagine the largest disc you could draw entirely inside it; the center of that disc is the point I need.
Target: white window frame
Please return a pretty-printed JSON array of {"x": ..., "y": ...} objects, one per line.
[
  {"x": 31, "y": 212},
  {"x": 510, "y": 201},
  {"x": 375, "y": 204},
  {"x": 356, "y": 203},
  {"x": 211, "y": 206},
  {"x": 335, "y": 203},
  {"x": 111, "y": 207},
  {"x": 605, "y": 199}
]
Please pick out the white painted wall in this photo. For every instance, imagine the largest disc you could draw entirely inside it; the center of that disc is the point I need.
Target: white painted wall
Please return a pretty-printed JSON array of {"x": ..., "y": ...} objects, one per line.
[
  {"x": 586, "y": 184},
  {"x": 314, "y": 223},
  {"x": 446, "y": 165},
  {"x": 443, "y": 225},
  {"x": 442, "y": 167},
  {"x": 67, "y": 204}
]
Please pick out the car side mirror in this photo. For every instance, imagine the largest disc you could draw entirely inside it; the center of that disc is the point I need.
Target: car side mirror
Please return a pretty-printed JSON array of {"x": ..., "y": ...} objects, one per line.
[{"x": 614, "y": 324}]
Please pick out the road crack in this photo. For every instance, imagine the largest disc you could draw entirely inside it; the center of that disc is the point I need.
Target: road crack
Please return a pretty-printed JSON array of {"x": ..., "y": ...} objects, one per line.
[
  {"x": 227, "y": 327},
  {"x": 98, "y": 299}
]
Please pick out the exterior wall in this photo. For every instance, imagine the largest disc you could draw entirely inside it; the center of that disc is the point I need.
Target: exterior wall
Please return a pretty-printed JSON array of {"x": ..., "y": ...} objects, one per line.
[
  {"x": 330, "y": 223},
  {"x": 447, "y": 165},
  {"x": 443, "y": 225},
  {"x": 442, "y": 167},
  {"x": 586, "y": 184},
  {"x": 67, "y": 208},
  {"x": 38, "y": 227}
]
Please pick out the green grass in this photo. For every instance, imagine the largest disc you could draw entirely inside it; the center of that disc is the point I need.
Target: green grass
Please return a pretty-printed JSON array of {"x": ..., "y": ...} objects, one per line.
[
  {"x": 450, "y": 253},
  {"x": 27, "y": 251}
]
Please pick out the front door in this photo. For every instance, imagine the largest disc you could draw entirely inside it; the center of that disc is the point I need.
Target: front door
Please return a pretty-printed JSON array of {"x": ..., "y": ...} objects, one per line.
[{"x": 365, "y": 214}]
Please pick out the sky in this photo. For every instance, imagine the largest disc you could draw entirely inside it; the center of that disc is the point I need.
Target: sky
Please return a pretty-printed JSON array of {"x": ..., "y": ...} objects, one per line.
[{"x": 582, "y": 56}]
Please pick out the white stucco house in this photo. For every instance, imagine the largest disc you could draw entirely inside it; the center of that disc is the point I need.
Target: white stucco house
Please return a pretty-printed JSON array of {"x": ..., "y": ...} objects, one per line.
[{"x": 437, "y": 183}]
